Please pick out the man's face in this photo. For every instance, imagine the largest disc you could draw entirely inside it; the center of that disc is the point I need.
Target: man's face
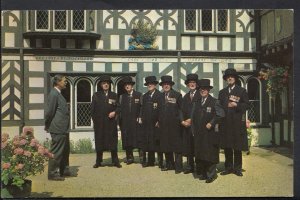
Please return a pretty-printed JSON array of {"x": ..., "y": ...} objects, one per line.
[
  {"x": 230, "y": 80},
  {"x": 151, "y": 86},
  {"x": 62, "y": 84},
  {"x": 204, "y": 92},
  {"x": 105, "y": 85},
  {"x": 166, "y": 87},
  {"x": 128, "y": 87},
  {"x": 192, "y": 85}
]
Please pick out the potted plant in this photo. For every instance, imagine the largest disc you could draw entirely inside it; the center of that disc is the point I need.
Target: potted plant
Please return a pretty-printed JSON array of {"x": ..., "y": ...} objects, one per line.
[
  {"x": 143, "y": 37},
  {"x": 249, "y": 135},
  {"x": 21, "y": 157}
]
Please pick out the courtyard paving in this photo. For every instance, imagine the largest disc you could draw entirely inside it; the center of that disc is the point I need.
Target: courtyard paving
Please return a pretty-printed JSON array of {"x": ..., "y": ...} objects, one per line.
[{"x": 266, "y": 173}]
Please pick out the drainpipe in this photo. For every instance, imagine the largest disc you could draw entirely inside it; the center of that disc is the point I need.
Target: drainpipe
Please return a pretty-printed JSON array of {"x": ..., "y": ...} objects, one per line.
[{"x": 22, "y": 98}]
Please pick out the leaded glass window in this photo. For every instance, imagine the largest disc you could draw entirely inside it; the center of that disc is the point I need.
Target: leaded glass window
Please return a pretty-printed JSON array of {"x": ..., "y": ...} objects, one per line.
[
  {"x": 190, "y": 20},
  {"x": 60, "y": 20},
  {"x": 78, "y": 20},
  {"x": 222, "y": 20},
  {"x": 206, "y": 20},
  {"x": 42, "y": 19}
]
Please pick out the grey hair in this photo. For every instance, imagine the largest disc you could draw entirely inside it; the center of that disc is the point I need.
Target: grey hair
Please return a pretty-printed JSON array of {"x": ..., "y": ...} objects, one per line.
[{"x": 57, "y": 78}]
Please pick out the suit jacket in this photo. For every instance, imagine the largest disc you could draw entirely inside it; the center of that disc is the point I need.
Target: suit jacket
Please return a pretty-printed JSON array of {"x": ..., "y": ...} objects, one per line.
[{"x": 57, "y": 117}]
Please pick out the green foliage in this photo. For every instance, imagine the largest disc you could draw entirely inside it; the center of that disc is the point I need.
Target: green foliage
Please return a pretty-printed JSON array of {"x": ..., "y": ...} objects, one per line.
[
  {"x": 146, "y": 31},
  {"x": 81, "y": 146},
  {"x": 120, "y": 148}
]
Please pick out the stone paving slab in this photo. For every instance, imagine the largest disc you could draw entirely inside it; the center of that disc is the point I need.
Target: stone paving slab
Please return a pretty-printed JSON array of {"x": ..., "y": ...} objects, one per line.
[{"x": 266, "y": 173}]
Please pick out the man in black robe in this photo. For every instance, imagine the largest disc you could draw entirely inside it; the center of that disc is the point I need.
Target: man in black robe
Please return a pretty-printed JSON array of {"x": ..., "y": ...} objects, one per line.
[{"x": 103, "y": 111}]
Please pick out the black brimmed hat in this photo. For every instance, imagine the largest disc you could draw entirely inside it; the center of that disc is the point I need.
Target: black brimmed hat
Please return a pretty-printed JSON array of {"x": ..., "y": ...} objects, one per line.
[
  {"x": 230, "y": 72},
  {"x": 204, "y": 83},
  {"x": 166, "y": 79},
  {"x": 150, "y": 79},
  {"x": 105, "y": 78},
  {"x": 191, "y": 77},
  {"x": 128, "y": 80}
]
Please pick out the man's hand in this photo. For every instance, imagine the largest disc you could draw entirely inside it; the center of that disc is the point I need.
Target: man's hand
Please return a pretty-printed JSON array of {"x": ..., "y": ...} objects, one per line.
[
  {"x": 208, "y": 126},
  {"x": 188, "y": 122},
  {"x": 46, "y": 129},
  {"x": 139, "y": 120},
  {"x": 157, "y": 125},
  {"x": 232, "y": 104},
  {"x": 112, "y": 115}
]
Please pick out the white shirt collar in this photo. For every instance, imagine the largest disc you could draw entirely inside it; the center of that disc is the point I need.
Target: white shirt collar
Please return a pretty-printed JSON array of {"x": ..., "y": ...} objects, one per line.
[
  {"x": 151, "y": 94},
  {"x": 57, "y": 89}
]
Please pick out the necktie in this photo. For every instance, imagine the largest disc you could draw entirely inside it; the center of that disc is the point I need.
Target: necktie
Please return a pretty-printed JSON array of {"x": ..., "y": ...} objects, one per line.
[
  {"x": 166, "y": 97},
  {"x": 192, "y": 95},
  {"x": 130, "y": 100},
  {"x": 202, "y": 101}
]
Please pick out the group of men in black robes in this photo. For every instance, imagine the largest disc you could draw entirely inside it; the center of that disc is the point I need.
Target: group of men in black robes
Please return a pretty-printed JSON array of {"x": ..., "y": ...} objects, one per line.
[{"x": 195, "y": 126}]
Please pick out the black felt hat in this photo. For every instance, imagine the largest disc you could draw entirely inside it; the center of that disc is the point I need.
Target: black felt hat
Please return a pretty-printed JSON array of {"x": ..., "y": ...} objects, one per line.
[
  {"x": 150, "y": 79},
  {"x": 166, "y": 79},
  {"x": 230, "y": 72},
  {"x": 204, "y": 83},
  {"x": 105, "y": 78},
  {"x": 128, "y": 79},
  {"x": 191, "y": 77}
]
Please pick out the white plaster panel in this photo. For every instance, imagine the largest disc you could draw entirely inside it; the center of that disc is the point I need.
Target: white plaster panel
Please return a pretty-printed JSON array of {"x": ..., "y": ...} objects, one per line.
[
  {"x": 36, "y": 66},
  {"x": 207, "y": 67},
  {"x": 114, "y": 41},
  {"x": 36, "y": 98},
  {"x": 36, "y": 82},
  {"x": 126, "y": 41},
  {"x": 9, "y": 39},
  {"x": 36, "y": 114},
  {"x": 148, "y": 67},
  {"x": 159, "y": 42},
  {"x": 26, "y": 43},
  {"x": 11, "y": 20},
  {"x": 5, "y": 80},
  {"x": 58, "y": 66},
  {"x": 239, "y": 44},
  {"x": 132, "y": 67},
  {"x": 99, "y": 44},
  {"x": 99, "y": 67},
  {"x": 79, "y": 66},
  {"x": 6, "y": 93},
  {"x": 109, "y": 24},
  {"x": 226, "y": 44},
  {"x": 213, "y": 43},
  {"x": 252, "y": 44},
  {"x": 17, "y": 79},
  {"x": 116, "y": 67},
  {"x": 199, "y": 43},
  {"x": 163, "y": 66},
  {"x": 5, "y": 67},
  {"x": 172, "y": 42},
  {"x": 185, "y": 43},
  {"x": 17, "y": 92},
  {"x": 12, "y": 131}
]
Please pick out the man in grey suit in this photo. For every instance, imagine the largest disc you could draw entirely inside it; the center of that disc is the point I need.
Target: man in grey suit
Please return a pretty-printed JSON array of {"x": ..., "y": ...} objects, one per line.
[{"x": 57, "y": 121}]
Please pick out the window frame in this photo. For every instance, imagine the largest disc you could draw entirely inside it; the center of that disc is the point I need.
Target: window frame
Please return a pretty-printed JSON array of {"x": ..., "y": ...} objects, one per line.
[
  {"x": 85, "y": 24},
  {"x": 197, "y": 22},
  {"x": 35, "y": 20},
  {"x": 228, "y": 21},
  {"x": 260, "y": 100},
  {"x": 212, "y": 21},
  {"x": 76, "y": 102},
  {"x": 53, "y": 18}
]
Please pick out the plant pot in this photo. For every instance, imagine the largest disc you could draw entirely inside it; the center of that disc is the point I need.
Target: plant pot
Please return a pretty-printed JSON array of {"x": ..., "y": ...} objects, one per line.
[{"x": 15, "y": 191}]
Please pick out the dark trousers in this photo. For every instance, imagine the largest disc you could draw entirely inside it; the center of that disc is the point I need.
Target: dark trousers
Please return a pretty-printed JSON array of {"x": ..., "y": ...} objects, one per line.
[
  {"x": 190, "y": 163},
  {"x": 60, "y": 147},
  {"x": 233, "y": 159},
  {"x": 114, "y": 157},
  {"x": 129, "y": 154},
  {"x": 151, "y": 157},
  {"x": 206, "y": 168},
  {"x": 172, "y": 163},
  {"x": 160, "y": 159}
]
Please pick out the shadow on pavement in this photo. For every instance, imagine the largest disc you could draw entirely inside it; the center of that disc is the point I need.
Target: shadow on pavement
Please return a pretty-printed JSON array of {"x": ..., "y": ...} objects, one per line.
[
  {"x": 284, "y": 151},
  {"x": 74, "y": 171},
  {"x": 43, "y": 195}
]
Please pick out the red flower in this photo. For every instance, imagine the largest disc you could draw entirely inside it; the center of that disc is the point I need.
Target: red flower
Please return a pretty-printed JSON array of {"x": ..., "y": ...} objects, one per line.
[
  {"x": 5, "y": 165},
  {"x": 18, "y": 151}
]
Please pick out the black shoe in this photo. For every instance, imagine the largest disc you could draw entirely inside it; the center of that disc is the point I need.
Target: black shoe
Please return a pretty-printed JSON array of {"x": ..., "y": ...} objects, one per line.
[
  {"x": 202, "y": 177},
  {"x": 238, "y": 173},
  {"x": 144, "y": 165},
  {"x": 178, "y": 171},
  {"x": 97, "y": 165},
  {"x": 211, "y": 179},
  {"x": 56, "y": 178},
  {"x": 226, "y": 172},
  {"x": 150, "y": 164},
  {"x": 164, "y": 168},
  {"x": 129, "y": 161},
  {"x": 160, "y": 165},
  {"x": 187, "y": 171},
  {"x": 118, "y": 165}
]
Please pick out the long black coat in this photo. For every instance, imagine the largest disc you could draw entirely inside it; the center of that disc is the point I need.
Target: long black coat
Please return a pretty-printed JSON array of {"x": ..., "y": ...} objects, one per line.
[
  {"x": 206, "y": 144},
  {"x": 170, "y": 118},
  {"x": 149, "y": 115},
  {"x": 106, "y": 133},
  {"x": 128, "y": 119},
  {"x": 233, "y": 126},
  {"x": 187, "y": 137}
]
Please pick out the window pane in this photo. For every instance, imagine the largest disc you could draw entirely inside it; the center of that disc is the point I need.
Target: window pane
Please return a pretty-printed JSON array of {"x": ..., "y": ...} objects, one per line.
[
  {"x": 42, "y": 19},
  {"x": 222, "y": 20},
  {"x": 78, "y": 20},
  {"x": 190, "y": 19},
  {"x": 60, "y": 20},
  {"x": 254, "y": 99},
  {"x": 206, "y": 20},
  {"x": 83, "y": 103}
]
